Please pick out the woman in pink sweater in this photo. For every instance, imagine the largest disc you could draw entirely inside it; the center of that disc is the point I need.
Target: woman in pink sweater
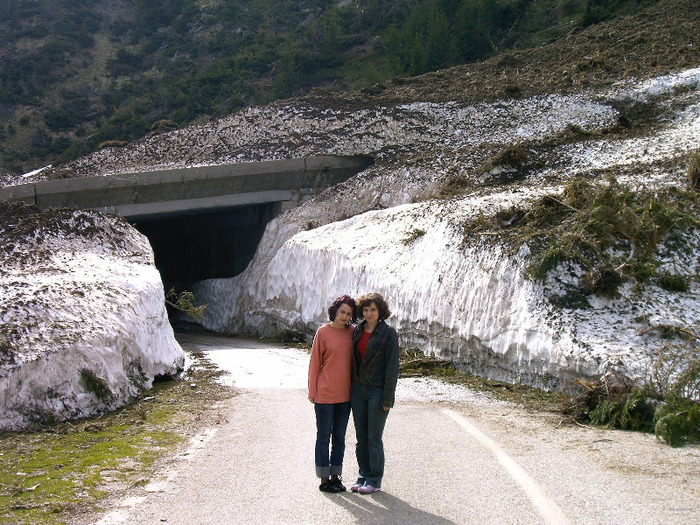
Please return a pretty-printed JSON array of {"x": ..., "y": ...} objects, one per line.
[{"x": 329, "y": 390}]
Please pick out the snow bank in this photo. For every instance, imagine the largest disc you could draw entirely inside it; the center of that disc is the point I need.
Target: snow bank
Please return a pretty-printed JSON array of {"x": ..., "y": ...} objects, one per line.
[
  {"x": 466, "y": 301},
  {"x": 385, "y": 230},
  {"x": 456, "y": 302},
  {"x": 83, "y": 322}
]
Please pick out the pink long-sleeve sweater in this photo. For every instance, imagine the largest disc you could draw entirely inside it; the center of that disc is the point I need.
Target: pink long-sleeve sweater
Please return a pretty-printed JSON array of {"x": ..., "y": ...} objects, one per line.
[{"x": 329, "y": 367}]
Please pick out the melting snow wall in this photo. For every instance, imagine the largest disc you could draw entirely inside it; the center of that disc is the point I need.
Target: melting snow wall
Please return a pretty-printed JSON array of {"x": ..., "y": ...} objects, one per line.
[
  {"x": 464, "y": 301},
  {"x": 469, "y": 304},
  {"x": 85, "y": 328}
]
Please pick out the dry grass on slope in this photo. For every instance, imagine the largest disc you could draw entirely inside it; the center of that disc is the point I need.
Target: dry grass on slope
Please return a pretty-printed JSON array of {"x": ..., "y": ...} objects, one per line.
[{"x": 654, "y": 42}]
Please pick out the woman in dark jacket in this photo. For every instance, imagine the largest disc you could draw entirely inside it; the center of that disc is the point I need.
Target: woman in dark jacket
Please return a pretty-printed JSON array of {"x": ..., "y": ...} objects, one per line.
[{"x": 375, "y": 371}]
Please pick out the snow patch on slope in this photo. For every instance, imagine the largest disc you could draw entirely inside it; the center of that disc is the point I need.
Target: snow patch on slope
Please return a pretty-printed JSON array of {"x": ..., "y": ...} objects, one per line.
[{"x": 462, "y": 300}]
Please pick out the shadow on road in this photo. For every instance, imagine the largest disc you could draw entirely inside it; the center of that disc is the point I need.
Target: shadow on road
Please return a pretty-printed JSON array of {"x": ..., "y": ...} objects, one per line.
[{"x": 384, "y": 509}]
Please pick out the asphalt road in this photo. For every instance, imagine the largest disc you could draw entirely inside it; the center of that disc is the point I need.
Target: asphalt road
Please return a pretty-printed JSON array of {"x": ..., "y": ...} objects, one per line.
[{"x": 451, "y": 459}]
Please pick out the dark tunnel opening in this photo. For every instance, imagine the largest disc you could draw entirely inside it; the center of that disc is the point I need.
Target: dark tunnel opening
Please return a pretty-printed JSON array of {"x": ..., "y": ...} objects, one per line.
[{"x": 214, "y": 244}]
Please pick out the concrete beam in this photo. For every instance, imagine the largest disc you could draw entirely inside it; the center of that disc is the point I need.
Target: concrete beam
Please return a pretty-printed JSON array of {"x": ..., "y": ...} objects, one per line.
[
  {"x": 23, "y": 192},
  {"x": 182, "y": 206},
  {"x": 189, "y": 189}
]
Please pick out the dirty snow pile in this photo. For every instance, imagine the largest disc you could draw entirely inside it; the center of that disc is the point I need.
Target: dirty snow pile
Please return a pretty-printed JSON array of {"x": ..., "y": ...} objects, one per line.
[
  {"x": 467, "y": 300},
  {"x": 83, "y": 326}
]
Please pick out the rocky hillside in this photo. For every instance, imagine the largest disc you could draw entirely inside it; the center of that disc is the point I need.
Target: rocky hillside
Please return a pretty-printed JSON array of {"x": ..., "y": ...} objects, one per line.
[{"x": 480, "y": 171}]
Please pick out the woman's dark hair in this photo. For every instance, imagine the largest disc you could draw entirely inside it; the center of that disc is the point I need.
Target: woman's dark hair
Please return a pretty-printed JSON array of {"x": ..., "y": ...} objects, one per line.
[
  {"x": 343, "y": 299},
  {"x": 373, "y": 297}
]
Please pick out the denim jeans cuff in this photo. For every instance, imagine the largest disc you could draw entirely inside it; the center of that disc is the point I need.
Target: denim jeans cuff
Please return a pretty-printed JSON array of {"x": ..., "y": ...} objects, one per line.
[
  {"x": 323, "y": 472},
  {"x": 336, "y": 470}
]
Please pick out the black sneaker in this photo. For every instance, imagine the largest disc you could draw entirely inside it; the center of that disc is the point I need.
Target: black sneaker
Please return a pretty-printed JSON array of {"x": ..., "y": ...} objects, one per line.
[
  {"x": 327, "y": 486},
  {"x": 338, "y": 485}
]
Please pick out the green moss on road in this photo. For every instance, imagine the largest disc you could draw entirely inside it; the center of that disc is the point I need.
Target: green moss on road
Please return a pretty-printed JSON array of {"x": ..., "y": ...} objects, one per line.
[{"x": 51, "y": 474}]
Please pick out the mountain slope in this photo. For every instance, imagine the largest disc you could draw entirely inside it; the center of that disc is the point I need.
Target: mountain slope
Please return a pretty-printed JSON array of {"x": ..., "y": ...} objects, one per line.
[{"x": 74, "y": 76}]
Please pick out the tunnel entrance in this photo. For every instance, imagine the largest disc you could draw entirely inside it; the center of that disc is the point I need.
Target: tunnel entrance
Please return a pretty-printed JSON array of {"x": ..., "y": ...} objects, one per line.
[
  {"x": 202, "y": 221},
  {"x": 214, "y": 244}
]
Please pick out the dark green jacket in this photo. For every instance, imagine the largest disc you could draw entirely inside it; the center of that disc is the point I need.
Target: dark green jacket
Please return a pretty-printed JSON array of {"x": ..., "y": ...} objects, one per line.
[{"x": 380, "y": 367}]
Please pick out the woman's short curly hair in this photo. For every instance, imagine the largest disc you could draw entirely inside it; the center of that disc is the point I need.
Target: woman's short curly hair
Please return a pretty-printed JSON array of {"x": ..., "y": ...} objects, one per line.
[
  {"x": 373, "y": 297},
  {"x": 343, "y": 299}
]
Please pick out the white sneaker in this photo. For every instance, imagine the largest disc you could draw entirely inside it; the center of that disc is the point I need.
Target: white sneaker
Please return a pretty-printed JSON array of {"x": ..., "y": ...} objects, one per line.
[
  {"x": 368, "y": 489},
  {"x": 356, "y": 487}
]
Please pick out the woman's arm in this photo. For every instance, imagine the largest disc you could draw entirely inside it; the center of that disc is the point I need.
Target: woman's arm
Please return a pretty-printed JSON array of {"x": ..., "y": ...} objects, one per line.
[
  {"x": 315, "y": 364},
  {"x": 391, "y": 374}
]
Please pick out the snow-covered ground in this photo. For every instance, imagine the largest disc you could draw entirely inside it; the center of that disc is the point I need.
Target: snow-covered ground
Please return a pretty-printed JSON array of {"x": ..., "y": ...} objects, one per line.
[{"x": 469, "y": 301}]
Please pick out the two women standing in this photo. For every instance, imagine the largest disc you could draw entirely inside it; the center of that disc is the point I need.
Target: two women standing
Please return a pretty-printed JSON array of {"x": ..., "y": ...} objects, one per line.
[{"x": 363, "y": 369}]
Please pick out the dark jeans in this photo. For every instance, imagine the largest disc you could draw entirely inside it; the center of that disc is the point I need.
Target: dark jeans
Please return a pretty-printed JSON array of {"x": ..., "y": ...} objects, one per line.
[
  {"x": 369, "y": 418},
  {"x": 331, "y": 425}
]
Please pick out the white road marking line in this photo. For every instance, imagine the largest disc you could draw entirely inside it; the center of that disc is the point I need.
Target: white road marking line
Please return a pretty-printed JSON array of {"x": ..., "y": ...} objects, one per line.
[
  {"x": 547, "y": 508},
  {"x": 197, "y": 443}
]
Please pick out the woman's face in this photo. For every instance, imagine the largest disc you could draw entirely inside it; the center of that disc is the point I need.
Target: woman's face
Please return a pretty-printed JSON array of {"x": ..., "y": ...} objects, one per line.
[
  {"x": 343, "y": 316},
  {"x": 371, "y": 313}
]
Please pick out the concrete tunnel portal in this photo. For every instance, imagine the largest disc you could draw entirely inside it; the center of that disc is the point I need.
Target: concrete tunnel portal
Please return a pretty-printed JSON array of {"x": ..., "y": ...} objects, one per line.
[{"x": 202, "y": 222}]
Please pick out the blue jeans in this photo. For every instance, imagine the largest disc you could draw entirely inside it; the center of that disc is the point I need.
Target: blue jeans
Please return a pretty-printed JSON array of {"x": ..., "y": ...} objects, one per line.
[
  {"x": 331, "y": 425},
  {"x": 369, "y": 418}
]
